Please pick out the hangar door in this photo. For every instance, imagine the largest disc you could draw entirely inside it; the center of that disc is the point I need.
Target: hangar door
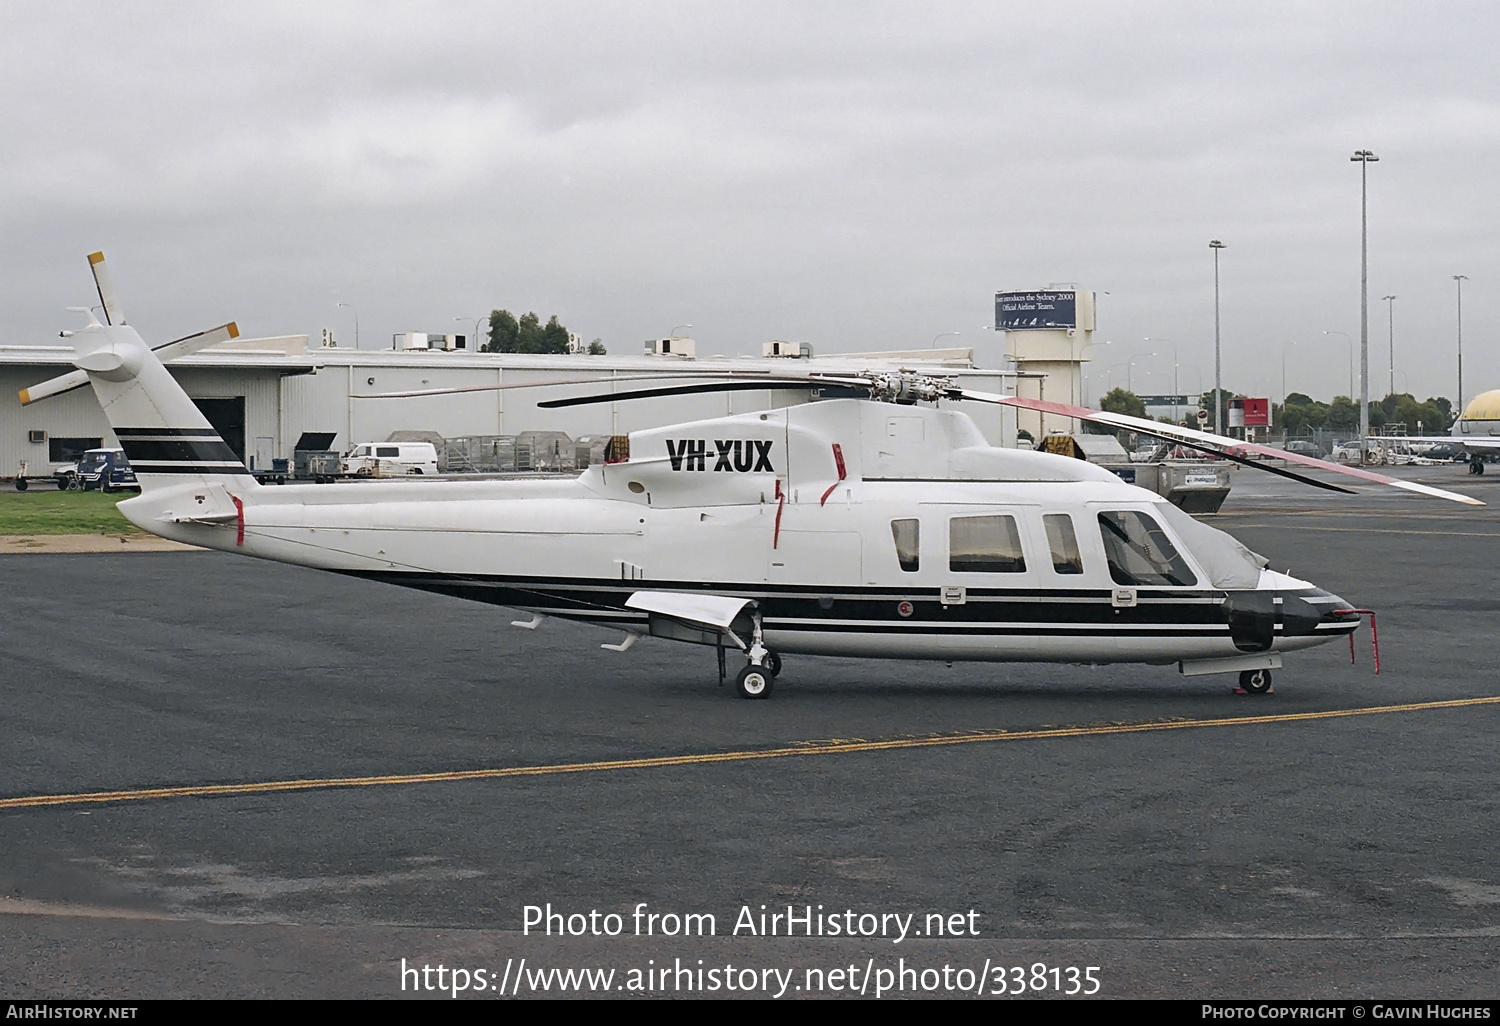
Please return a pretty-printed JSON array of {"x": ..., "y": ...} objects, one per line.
[{"x": 228, "y": 418}]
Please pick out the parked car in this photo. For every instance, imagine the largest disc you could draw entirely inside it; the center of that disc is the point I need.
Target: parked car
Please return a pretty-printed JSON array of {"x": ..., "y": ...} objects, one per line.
[
  {"x": 1302, "y": 447},
  {"x": 107, "y": 470},
  {"x": 1446, "y": 451}
]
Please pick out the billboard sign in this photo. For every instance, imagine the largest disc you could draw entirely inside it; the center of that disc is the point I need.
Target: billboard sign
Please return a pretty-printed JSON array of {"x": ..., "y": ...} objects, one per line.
[
  {"x": 1023, "y": 311},
  {"x": 1257, "y": 413},
  {"x": 1249, "y": 413}
]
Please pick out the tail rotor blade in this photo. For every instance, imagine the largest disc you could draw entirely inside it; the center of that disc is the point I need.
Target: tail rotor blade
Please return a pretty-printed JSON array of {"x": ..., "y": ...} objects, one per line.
[
  {"x": 105, "y": 283},
  {"x": 165, "y": 352},
  {"x": 54, "y": 386}
]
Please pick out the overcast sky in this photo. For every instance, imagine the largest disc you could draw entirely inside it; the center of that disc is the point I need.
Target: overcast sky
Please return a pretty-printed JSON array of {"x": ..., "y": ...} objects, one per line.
[{"x": 854, "y": 175}]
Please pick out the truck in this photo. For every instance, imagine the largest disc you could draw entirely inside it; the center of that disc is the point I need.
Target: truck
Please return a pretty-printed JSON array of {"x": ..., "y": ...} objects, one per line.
[
  {"x": 107, "y": 470},
  {"x": 390, "y": 459}
]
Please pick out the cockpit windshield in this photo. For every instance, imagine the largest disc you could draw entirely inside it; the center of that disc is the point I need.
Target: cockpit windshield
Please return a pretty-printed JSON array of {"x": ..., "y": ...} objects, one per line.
[{"x": 1140, "y": 553}]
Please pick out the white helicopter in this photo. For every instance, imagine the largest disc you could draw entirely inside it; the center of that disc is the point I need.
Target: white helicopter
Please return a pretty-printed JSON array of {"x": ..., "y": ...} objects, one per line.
[{"x": 879, "y": 526}]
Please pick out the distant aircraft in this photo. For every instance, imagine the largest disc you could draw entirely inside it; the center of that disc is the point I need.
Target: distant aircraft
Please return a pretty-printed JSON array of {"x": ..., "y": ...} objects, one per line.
[{"x": 1478, "y": 430}]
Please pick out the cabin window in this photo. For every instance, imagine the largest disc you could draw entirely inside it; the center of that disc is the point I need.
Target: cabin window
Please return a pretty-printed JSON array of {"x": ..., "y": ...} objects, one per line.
[
  {"x": 1063, "y": 543},
  {"x": 985, "y": 545},
  {"x": 387, "y": 450},
  {"x": 1139, "y": 552},
  {"x": 907, "y": 534}
]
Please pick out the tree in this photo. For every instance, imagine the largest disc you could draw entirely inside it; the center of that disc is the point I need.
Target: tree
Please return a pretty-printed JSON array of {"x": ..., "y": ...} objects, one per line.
[
  {"x": 596, "y": 347},
  {"x": 1304, "y": 415},
  {"x": 503, "y": 330},
  {"x": 554, "y": 337},
  {"x": 1117, "y": 400},
  {"x": 1343, "y": 414},
  {"x": 527, "y": 335},
  {"x": 1444, "y": 404}
]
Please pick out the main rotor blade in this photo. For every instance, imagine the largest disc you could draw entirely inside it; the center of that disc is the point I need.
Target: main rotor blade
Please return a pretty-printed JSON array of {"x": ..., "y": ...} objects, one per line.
[
  {"x": 1202, "y": 440},
  {"x": 730, "y": 375},
  {"x": 656, "y": 393},
  {"x": 165, "y": 352},
  {"x": 105, "y": 283},
  {"x": 1247, "y": 462},
  {"x": 558, "y": 381}
]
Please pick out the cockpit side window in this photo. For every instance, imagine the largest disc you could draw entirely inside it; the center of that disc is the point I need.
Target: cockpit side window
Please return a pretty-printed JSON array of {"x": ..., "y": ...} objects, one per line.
[
  {"x": 1140, "y": 553},
  {"x": 985, "y": 545},
  {"x": 907, "y": 535},
  {"x": 1063, "y": 543}
]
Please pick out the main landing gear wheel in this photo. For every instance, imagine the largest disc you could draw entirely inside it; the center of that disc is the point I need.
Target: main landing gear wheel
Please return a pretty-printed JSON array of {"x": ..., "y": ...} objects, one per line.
[
  {"x": 1256, "y": 682},
  {"x": 754, "y": 682},
  {"x": 1476, "y": 466}
]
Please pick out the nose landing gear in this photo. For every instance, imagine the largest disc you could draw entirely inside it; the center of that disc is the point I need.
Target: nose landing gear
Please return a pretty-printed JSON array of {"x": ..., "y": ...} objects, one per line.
[{"x": 1255, "y": 682}]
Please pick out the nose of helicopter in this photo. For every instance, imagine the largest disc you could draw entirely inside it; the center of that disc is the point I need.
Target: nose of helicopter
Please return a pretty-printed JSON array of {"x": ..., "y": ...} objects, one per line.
[{"x": 1315, "y": 611}]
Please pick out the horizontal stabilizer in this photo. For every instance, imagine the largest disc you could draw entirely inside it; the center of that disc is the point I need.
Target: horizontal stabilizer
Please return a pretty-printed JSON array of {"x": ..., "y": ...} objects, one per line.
[
  {"x": 166, "y": 352},
  {"x": 211, "y": 504},
  {"x": 715, "y": 611}
]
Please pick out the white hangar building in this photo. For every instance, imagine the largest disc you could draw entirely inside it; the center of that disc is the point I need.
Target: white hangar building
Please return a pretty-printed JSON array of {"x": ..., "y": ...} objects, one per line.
[{"x": 264, "y": 394}]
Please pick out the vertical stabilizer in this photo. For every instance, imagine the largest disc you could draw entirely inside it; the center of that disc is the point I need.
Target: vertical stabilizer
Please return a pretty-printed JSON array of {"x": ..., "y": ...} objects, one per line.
[{"x": 165, "y": 436}]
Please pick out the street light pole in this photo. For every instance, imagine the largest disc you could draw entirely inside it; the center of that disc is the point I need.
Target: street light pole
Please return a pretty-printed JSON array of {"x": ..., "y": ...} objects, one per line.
[
  {"x": 1174, "y": 371},
  {"x": 1459, "y": 279},
  {"x": 1348, "y": 341},
  {"x": 941, "y": 335},
  {"x": 356, "y": 323},
  {"x": 1216, "y": 245},
  {"x": 1364, "y": 158},
  {"x": 1390, "y": 320},
  {"x": 1129, "y": 366},
  {"x": 1283, "y": 387}
]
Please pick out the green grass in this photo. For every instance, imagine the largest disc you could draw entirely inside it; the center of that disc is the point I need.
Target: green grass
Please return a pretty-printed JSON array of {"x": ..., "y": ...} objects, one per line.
[{"x": 40, "y": 511}]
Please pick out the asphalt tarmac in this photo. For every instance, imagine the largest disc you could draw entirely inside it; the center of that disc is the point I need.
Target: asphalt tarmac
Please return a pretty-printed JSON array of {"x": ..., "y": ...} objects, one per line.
[{"x": 1299, "y": 854}]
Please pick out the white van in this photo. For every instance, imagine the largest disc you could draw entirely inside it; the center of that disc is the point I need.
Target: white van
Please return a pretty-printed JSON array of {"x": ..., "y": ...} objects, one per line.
[{"x": 390, "y": 459}]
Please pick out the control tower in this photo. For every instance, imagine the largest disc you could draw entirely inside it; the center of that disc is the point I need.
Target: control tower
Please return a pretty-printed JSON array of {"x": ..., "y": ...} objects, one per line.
[{"x": 1048, "y": 331}]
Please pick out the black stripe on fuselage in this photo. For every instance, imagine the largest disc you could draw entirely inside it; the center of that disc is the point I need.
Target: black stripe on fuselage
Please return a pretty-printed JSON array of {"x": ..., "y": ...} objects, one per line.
[
  {"x": 187, "y": 468},
  {"x": 178, "y": 450},
  {"x": 807, "y": 608},
  {"x": 166, "y": 432}
]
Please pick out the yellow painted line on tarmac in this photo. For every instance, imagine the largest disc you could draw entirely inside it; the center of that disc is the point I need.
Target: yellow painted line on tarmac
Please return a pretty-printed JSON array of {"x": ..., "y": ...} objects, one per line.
[{"x": 840, "y": 746}]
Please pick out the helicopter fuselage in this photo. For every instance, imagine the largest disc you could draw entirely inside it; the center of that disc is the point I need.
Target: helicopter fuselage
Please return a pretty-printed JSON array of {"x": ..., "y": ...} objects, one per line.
[{"x": 857, "y": 529}]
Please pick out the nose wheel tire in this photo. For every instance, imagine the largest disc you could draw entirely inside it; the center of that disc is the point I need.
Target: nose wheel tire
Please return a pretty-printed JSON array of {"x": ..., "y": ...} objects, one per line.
[
  {"x": 773, "y": 662},
  {"x": 1256, "y": 682},
  {"x": 754, "y": 682}
]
